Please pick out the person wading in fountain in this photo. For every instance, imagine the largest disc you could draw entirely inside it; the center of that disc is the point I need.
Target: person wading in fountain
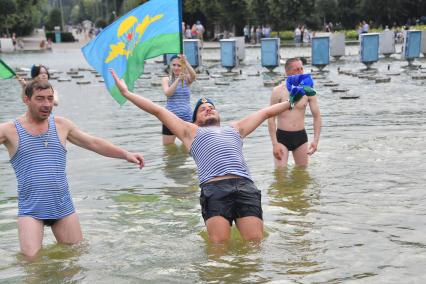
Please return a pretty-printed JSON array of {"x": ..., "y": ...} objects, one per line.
[
  {"x": 36, "y": 145},
  {"x": 228, "y": 193},
  {"x": 287, "y": 130},
  {"x": 39, "y": 72},
  {"x": 176, "y": 88}
]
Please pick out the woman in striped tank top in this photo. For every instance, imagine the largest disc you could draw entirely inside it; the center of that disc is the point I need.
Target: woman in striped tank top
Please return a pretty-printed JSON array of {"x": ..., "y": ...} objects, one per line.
[
  {"x": 176, "y": 88},
  {"x": 39, "y": 72},
  {"x": 36, "y": 143},
  {"x": 228, "y": 193}
]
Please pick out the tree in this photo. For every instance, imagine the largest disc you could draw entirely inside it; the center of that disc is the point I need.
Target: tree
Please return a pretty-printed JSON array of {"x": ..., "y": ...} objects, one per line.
[
  {"x": 7, "y": 14},
  {"x": 54, "y": 19}
]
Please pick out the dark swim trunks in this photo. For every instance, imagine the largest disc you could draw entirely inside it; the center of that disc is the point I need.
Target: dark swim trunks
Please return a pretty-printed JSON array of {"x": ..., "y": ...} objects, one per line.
[
  {"x": 166, "y": 131},
  {"x": 49, "y": 222},
  {"x": 292, "y": 139},
  {"x": 230, "y": 198}
]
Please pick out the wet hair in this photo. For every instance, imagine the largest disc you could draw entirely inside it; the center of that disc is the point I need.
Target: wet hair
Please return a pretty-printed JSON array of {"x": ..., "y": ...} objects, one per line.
[
  {"x": 35, "y": 71},
  {"x": 290, "y": 61},
  {"x": 37, "y": 85}
]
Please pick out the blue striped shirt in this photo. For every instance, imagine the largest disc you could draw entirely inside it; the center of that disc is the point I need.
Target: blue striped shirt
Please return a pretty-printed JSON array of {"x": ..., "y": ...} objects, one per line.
[
  {"x": 179, "y": 102},
  {"x": 218, "y": 151},
  {"x": 39, "y": 164}
]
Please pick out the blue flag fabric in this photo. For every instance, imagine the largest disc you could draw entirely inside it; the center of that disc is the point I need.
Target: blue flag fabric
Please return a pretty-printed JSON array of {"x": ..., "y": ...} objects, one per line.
[
  {"x": 300, "y": 85},
  {"x": 147, "y": 31}
]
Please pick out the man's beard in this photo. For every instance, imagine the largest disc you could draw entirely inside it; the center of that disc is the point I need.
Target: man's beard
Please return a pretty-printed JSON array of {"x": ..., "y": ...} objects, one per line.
[{"x": 213, "y": 121}]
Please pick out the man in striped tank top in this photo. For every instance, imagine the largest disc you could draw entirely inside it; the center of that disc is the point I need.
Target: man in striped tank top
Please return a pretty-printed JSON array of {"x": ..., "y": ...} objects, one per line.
[
  {"x": 228, "y": 193},
  {"x": 36, "y": 145}
]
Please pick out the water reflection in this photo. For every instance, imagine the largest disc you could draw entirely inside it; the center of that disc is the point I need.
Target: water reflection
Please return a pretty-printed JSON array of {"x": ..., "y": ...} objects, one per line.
[
  {"x": 359, "y": 189},
  {"x": 55, "y": 264},
  {"x": 292, "y": 195},
  {"x": 288, "y": 190},
  {"x": 236, "y": 261},
  {"x": 177, "y": 165}
]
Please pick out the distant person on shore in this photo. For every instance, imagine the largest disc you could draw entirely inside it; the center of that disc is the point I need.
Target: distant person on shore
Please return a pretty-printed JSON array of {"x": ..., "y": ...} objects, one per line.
[
  {"x": 36, "y": 142},
  {"x": 188, "y": 34},
  {"x": 365, "y": 27},
  {"x": 176, "y": 87},
  {"x": 359, "y": 30},
  {"x": 228, "y": 193},
  {"x": 39, "y": 72},
  {"x": 14, "y": 41},
  {"x": 258, "y": 34},
  {"x": 287, "y": 130},
  {"x": 297, "y": 35},
  {"x": 246, "y": 32}
]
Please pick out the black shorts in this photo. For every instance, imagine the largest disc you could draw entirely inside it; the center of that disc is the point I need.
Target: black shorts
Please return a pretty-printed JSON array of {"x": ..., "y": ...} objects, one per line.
[
  {"x": 230, "y": 198},
  {"x": 49, "y": 222},
  {"x": 166, "y": 131},
  {"x": 292, "y": 139}
]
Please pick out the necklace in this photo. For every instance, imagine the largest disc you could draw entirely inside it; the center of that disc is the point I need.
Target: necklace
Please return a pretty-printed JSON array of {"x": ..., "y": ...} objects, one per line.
[{"x": 44, "y": 137}]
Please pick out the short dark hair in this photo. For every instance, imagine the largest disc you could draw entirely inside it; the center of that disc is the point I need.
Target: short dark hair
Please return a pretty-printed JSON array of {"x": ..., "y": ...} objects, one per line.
[
  {"x": 37, "y": 85},
  {"x": 290, "y": 61},
  {"x": 35, "y": 71}
]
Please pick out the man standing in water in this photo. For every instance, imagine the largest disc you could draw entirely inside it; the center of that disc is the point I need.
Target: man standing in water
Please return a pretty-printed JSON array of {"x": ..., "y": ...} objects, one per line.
[
  {"x": 228, "y": 193},
  {"x": 287, "y": 130},
  {"x": 36, "y": 145}
]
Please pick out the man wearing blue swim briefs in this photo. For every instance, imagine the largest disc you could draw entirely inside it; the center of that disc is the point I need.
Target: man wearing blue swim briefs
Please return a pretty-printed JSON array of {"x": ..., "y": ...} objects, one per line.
[
  {"x": 36, "y": 142},
  {"x": 287, "y": 129},
  {"x": 228, "y": 193}
]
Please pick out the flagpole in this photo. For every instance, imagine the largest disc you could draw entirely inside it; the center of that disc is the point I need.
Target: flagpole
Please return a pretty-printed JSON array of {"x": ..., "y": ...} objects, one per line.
[
  {"x": 180, "y": 25},
  {"x": 181, "y": 37}
]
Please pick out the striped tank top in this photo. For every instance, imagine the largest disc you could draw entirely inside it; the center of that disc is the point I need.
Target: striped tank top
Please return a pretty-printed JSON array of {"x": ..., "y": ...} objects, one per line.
[
  {"x": 39, "y": 165},
  {"x": 218, "y": 151},
  {"x": 179, "y": 102}
]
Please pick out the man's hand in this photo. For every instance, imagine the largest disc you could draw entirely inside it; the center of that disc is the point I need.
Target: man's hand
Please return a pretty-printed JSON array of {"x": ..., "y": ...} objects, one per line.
[
  {"x": 136, "y": 159},
  {"x": 278, "y": 150},
  {"x": 312, "y": 148}
]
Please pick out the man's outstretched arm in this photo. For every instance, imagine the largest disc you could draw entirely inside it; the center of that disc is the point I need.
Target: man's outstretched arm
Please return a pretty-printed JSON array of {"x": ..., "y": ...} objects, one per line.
[
  {"x": 98, "y": 145},
  {"x": 252, "y": 121},
  {"x": 182, "y": 129}
]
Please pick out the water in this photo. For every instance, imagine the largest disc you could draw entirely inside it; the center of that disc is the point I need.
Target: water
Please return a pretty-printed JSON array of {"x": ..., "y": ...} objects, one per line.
[{"x": 355, "y": 215}]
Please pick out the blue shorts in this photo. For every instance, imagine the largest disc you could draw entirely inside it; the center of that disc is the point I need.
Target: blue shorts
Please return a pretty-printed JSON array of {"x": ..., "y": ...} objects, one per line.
[{"x": 230, "y": 198}]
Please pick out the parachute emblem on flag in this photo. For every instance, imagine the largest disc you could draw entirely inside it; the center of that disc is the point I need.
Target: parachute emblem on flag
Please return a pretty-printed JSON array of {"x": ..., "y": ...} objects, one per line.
[{"x": 130, "y": 33}]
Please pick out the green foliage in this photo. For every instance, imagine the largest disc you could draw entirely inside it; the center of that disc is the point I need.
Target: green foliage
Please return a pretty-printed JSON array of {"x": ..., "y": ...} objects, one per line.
[
  {"x": 54, "y": 19},
  {"x": 351, "y": 34},
  {"x": 101, "y": 23},
  {"x": 7, "y": 7},
  {"x": 20, "y": 16},
  {"x": 284, "y": 35}
]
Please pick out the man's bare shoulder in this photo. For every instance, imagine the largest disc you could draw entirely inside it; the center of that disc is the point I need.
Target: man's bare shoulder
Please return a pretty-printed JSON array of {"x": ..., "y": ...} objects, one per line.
[
  {"x": 61, "y": 119},
  {"x": 278, "y": 93},
  {"x": 63, "y": 122},
  {"x": 278, "y": 88},
  {"x": 5, "y": 126},
  {"x": 7, "y": 131}
]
